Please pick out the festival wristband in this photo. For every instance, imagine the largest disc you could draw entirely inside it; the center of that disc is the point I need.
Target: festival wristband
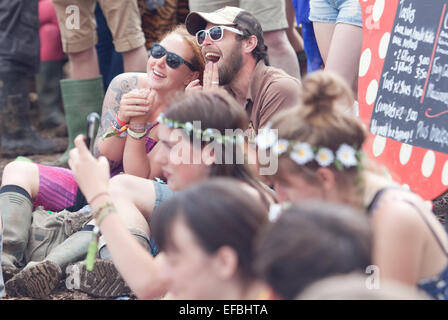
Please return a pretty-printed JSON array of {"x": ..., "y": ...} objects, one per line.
[
  {"x": 137, "y": 135},
  {"x": 121, "y": 123}
]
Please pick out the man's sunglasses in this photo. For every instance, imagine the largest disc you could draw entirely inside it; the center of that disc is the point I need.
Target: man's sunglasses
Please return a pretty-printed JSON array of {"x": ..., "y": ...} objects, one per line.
[
  {"x": 214, "y": 33},
  {"x": 173, "y": 60}
]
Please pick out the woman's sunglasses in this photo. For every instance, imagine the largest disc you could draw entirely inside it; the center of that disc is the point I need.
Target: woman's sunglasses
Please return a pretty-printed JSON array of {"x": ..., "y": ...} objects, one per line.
[
  {"x": 214, "y": 33},
  {"x": 172, "y": 60}
]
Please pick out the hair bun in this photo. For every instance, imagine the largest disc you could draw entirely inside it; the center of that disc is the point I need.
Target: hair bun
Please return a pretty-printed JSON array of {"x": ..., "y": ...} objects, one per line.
[{"x": 322, "y": 91}]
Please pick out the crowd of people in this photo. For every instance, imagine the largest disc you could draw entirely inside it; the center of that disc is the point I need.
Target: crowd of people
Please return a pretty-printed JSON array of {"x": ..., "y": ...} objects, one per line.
[{"x": 228, "y": 162}]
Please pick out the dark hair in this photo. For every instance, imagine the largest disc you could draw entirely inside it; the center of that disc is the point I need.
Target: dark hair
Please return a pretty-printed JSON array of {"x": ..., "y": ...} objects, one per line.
[
  {"x": 250, "y": 26},
  {"x": 260, "y": 52},
  {"x": 219, "y": 212},
  {"x": 217, "y": 109},
  {"x": 311, "y": 241}
]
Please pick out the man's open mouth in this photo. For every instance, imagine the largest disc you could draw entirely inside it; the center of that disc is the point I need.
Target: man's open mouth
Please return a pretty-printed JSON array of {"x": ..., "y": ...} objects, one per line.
[{"x": 213, "y": 57}]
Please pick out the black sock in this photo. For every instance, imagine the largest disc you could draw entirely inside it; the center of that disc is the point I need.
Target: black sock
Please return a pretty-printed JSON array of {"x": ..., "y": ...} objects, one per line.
[{"x": 17, "y": 189}]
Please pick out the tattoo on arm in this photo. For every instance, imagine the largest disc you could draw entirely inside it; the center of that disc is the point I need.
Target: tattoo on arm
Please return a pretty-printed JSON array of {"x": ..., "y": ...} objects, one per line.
[{"x": 119, "y": 86}]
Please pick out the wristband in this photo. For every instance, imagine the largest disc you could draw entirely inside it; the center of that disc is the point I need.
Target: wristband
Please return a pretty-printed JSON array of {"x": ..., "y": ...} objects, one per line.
[
  {"x": 139, "y": 127},
  {"x": 137, "y": 135},
  {"x": 121, "y": 123},
  {"x": 118, "y": 128},
  {"x": 102, "y": 212}
]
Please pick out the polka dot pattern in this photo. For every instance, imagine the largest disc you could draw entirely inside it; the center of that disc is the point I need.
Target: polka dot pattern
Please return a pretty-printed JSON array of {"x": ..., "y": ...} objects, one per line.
[
  {"x": 423, "y": 171},
  {"x": 378, "y": 145},
  {"x": 364, "y": 63},
  {"x": 372, "y": 90}
]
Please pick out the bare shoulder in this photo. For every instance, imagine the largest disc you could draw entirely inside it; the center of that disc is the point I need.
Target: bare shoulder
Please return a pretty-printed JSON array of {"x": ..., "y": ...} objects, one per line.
[{"x": 400, "y": 209}]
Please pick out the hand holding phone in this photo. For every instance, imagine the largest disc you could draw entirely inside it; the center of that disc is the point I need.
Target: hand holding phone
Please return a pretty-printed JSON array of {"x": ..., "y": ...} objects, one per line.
[{"x": 92, "y": 118}]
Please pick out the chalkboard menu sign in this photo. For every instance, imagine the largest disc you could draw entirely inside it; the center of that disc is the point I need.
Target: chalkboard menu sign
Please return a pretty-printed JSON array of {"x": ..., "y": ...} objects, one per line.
[{"x": 411, "y": 105}]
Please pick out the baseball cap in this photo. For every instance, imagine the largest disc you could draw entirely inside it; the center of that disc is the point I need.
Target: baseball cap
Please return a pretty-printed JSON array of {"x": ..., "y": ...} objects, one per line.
[{"x": 227, "y": 16}]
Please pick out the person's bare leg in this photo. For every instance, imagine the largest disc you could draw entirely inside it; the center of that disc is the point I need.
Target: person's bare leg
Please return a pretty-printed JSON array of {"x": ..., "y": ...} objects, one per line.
[
  {"x": 84, "y": 64},
  {"x": 280, "y": 52},
  {"x": 344, "y": 53},
  {"x": 135, "y": 60},
  {"x": 22, "y": 174},
  {"x": 134, "y": 199},
  {"x": 324, "y": 33},
  {"x": 293, "y": 35}
]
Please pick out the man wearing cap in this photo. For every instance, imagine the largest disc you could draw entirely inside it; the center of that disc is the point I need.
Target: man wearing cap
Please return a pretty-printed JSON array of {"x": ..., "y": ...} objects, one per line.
[
  {"x": 233, "y": 46},
  {"x": 272, "y": 16}
]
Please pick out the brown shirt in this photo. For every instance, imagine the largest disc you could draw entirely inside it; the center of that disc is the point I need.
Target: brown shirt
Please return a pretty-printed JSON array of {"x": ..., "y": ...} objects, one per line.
[{"x": 270, "y": 91}]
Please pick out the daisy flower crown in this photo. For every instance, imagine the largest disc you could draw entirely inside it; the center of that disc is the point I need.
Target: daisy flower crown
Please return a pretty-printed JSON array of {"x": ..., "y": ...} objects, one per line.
[
  {"x": 302, "y": 153},
  {"x": 207, "y": 135}
]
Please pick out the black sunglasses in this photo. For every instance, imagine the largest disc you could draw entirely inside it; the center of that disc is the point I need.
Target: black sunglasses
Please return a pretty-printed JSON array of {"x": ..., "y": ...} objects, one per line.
[{"x": 172, "y": 60}]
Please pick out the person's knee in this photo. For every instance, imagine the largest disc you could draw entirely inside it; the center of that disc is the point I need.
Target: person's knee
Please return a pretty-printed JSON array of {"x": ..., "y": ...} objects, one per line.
[
  {"x": 118, "y": 186},
  {"x": 277, "y": 39},
  {"x": 87, "y": 55},
  {"x": 22, "y": 174}
]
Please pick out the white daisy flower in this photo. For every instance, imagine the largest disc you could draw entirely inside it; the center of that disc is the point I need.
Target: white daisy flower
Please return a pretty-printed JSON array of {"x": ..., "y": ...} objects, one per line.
[
  {"x": 161, "y": 118},
  {"x": 302, "y": 153},
  {"x": 324, "y": 157},
  {"x": 346, "y": 155},
  {"x": 275, "y": 210},
  {"x": 266, "y": 138},
  {"x": 188, "y": 126},
  {"x": 280, "y": 146}
]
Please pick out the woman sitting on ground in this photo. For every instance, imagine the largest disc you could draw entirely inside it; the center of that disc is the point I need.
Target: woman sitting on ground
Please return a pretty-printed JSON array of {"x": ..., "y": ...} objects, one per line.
[
  {"x": 132, "y": 101},
  {"x": 189, "y": 154},
  {"x": 320, "y": 157}
]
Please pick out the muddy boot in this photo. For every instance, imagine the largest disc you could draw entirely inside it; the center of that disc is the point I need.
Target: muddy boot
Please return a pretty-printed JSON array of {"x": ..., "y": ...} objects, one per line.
[
  {"x": 104, "y": 280},
  {"x": 49, "y": 94},
  {"x": 39, "y": 279},
  {"x": 15, "y": 209},
  {"x": 80, "y": 97},
  {"x": 17, "y": 135},
  {"x": 35, "y": 282}
]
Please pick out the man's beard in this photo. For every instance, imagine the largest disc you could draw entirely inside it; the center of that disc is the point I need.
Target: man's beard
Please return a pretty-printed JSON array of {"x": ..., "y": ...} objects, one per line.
[{"x": 232, "y": 66}]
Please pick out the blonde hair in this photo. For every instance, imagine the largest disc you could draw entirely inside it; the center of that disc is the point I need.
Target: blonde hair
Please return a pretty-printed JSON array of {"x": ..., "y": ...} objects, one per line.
[{"x": 321, "y": 119}]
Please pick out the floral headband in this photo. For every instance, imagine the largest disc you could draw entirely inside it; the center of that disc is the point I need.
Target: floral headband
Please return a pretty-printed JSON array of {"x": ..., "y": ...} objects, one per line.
[
  {"x": 303, "y": 153},
  {"x": 206, "y": 134}
]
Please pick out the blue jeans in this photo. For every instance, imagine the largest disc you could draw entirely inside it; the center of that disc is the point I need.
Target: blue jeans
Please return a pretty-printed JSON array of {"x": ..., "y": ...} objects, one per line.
[
  {"x": 110, "y": 61},
  {"x": 336, "y": 11}
]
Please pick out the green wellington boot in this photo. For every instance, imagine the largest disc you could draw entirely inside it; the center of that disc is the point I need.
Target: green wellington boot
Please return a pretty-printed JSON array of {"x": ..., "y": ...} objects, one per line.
[
  {"x": 80, "y": 97},
  {"x": 49, "y": 94}
]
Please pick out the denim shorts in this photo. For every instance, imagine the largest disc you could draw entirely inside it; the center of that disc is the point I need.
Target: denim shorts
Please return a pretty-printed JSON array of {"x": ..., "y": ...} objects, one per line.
[{"x": 336, "y": 11}]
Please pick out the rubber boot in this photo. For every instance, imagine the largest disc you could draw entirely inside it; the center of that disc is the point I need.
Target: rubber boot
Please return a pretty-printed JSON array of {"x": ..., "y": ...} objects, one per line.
[
  {"x": 80, "y": 97},
  {"x": 104, "y": 280},
  {"x": 49, "y": 94},
  {"x": 16, "y": 210},
  {"x": 17, "y": 135},
  {"x": 39, "y": 279}
]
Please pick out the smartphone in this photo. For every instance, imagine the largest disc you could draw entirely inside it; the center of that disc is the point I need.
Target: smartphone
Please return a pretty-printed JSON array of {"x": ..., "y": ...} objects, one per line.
[{"x": 92, "y": 119}]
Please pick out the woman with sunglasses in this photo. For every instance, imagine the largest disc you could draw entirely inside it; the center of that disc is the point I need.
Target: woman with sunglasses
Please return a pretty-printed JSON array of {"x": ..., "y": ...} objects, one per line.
[
  {"x": 319, "y": 149},
  {"x": 174, "y": 62}
]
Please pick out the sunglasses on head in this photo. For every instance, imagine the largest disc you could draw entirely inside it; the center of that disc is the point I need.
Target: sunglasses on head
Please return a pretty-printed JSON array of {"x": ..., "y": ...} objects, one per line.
[
  {"x": 214, "y": 33},
  {"x": 173, "y": 60}
]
